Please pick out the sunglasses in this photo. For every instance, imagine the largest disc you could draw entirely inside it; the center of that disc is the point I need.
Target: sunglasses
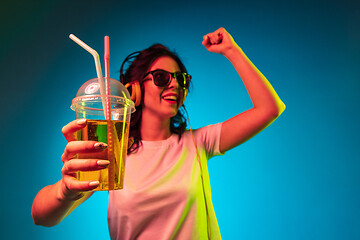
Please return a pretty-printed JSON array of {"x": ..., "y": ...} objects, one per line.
[{"x": 163, "y": 78}]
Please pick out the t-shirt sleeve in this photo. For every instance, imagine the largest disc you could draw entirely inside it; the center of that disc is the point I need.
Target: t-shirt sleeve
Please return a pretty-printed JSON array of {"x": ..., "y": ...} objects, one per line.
[{"x": 208, "y": 139}]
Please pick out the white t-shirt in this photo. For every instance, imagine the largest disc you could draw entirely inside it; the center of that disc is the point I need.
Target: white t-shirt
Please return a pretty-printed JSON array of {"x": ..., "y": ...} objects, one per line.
[{"x": 163, "y": 195}]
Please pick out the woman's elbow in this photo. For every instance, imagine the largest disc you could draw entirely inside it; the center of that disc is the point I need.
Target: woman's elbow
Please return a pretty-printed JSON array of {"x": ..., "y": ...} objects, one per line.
[
  {"x": 276, "y": 111},
  {"x": 43, "y": 223},
  {"x": 281, "y": 108},
  {"x": 36, "y": 218}
]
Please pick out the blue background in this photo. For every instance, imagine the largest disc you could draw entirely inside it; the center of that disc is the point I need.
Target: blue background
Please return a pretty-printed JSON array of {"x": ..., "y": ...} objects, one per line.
[{"x": 298, "y": 179}]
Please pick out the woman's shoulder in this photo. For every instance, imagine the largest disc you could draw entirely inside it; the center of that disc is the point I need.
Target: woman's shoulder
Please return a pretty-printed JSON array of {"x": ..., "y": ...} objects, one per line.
[
  {"x": 207, "y": 138},
  {"x": 202, "y": 133}
]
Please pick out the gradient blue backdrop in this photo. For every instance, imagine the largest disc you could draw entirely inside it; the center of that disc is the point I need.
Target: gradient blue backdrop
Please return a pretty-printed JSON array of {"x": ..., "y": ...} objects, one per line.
[{"x": 298, "y": 179}]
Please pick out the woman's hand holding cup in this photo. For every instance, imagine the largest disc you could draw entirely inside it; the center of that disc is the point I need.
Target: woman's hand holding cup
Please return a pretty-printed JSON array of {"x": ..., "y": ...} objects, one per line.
[{"x": 71, "y": 188}]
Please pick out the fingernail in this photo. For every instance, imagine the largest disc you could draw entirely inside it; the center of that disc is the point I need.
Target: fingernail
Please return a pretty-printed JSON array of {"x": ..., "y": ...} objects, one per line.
[
  {"x": 100, "y": 145},
  {"x": 81, "y": 121},
  {"x": 94, "y": 183},
  {"x": 103, "y": 163}
]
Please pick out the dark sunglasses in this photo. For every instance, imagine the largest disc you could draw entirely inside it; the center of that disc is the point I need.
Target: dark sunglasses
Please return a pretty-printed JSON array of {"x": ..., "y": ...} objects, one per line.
[{"x": 163, "y": 78}]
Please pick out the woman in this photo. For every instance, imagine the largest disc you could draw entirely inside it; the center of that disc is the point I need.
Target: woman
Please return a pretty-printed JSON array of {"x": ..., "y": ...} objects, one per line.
[{"x": 167, "y": 191}]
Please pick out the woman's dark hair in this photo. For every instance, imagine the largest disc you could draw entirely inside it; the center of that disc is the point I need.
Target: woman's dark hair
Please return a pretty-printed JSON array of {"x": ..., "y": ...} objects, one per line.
[{"x": 135, "y": 72}]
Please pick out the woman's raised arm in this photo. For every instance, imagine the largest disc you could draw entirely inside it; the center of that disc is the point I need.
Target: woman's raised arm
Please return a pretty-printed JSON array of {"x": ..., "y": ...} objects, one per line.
[{"x": 267, "y": 104}]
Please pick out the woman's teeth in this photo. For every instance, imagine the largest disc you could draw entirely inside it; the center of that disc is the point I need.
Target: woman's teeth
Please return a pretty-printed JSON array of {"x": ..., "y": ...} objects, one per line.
[{"x": 171, "y": 98}]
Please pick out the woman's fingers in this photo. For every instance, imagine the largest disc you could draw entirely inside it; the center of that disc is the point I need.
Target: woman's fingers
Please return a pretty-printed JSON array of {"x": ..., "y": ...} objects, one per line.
[
  {"x": 206, "y": 41},
  {"x": 92, "y": 159},
  {"x": 75, "y": 165},
  {"x": 71, "y": 128},
  {"x": 74, "y": 189},
  {"x": 214, "y": 37},
  {"x": 219, "y": 41},
  {"x": 79, "y": 147}
]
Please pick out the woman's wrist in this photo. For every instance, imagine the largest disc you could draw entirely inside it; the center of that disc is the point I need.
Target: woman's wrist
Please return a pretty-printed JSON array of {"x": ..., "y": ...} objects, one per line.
[{"x": 233, "y": 54}]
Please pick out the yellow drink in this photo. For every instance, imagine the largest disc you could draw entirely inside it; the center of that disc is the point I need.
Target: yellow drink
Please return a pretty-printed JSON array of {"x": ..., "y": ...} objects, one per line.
[{"x": 112, "y": 177}]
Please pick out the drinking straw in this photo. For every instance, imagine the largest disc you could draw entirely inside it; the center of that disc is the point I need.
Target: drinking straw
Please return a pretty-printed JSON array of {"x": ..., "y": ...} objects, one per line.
[
  {"x": 107, "y": 77},
  {"x": 111, "y": 131},
  {"x": 107, "y": 56},
  {"x": 121, "y": 163},
  {"x": 97, "y": 65}
]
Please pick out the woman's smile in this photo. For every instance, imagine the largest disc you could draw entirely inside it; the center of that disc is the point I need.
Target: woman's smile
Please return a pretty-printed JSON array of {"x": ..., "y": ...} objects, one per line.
[{"x": 170, "y": 97}]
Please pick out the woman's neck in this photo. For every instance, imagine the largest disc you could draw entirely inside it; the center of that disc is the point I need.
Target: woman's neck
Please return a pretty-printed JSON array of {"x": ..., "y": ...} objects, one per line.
[{"x": 154, "y": 129}]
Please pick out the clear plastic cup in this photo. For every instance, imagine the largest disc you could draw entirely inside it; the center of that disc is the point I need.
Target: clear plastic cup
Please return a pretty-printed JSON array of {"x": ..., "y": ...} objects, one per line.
[{"x": 89, "y": 104}]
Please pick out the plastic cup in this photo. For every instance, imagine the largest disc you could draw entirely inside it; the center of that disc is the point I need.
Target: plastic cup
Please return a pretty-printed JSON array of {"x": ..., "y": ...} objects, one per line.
[{"x": 89, "y": 104}]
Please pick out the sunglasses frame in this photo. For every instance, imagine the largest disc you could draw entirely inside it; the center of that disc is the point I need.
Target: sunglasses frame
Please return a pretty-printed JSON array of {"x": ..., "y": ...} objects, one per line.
[{"x": 186, "y": 77}]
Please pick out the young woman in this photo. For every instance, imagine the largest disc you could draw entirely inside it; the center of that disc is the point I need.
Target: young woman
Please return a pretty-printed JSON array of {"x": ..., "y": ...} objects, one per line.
[{"x": 166, "y": 191}]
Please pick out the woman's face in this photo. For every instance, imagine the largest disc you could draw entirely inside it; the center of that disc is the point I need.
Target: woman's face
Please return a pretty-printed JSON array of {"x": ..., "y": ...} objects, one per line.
[{"x": 163, "y": 102}]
